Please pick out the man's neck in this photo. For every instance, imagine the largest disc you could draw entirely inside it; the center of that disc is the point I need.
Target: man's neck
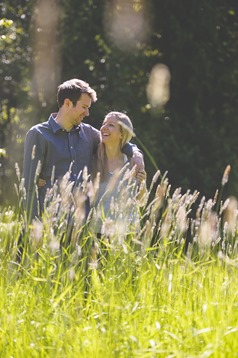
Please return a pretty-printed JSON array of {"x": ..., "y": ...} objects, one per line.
[{"x": 63, "y": 122}]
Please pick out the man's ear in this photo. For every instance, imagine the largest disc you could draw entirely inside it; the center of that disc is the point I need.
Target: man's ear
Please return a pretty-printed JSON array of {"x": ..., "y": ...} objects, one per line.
[{"x": 67, "y": 102}]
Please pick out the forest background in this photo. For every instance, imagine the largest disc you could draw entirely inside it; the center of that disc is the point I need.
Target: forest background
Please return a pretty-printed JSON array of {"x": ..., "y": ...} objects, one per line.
[{"x": 171, "y": 65}]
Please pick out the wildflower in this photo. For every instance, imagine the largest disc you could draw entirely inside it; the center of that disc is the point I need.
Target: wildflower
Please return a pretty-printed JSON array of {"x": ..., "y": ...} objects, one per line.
[
  {"x": 200, "y": 207},
  {"x": 208, "y": 231},
  {"x": 181, "y": 219},
  {"x": 71, "y": 274},
  {"x": 189, "y": 251},
  {"x": 209, "y": 205},
  {"x": 93, "y": 264},
  {"x": 176, "y": 195},
  {"x": 108, "y": 227},
  {"x": 76, "y": 254},
  {"x": 18, "y": 173},
  {"x": 225, "y": 230},
  {"x": 92, "y": 189},
  {"x": 85, "y": 177},
  {"x": 160, "y": 195},
  {"x": 22, "y": 189},
  {"x": 154, "y": 179},
  {"x": 166, "y": 224},
  {"x": 230, "y": 214},
  {"x": 226, "y": 175},
  {"x": 224, "y": 205},
  {"x": 170, "y": 282},
  {"x": 146, "y": 234},
  {"x": 33, "y": 153},
  {"x": 38, "y": 171},
  {"x": 215, "y": 197},
  {"x": 194, "y": 197},
  {"x": 54, "y": 246},
  {"x": 36, "y": 233},
  {"x": 52, "y": 179},
  {"x": 78, "y": 209}
]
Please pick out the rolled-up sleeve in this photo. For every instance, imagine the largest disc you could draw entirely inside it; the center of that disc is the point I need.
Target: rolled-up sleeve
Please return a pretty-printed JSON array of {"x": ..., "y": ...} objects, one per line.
[{"x": 129, "y": 149}]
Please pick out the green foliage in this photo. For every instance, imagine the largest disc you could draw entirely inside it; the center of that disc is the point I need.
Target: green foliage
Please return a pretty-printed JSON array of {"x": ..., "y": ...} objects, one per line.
[
  {"x": 193, "y": 136},
  {"x": 15, "y": 61},
  {"x": 197, "y": 140}
]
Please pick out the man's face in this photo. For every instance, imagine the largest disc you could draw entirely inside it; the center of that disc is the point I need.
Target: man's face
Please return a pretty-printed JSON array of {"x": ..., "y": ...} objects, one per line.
[{"x": 80, "y": 110}]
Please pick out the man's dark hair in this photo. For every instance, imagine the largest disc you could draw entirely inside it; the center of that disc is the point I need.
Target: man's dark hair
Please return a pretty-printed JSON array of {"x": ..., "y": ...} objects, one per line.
[{"x": 72, "y": 90}]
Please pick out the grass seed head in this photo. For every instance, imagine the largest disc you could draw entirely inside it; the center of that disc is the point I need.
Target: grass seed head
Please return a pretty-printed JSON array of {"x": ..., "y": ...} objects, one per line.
[
  {"x": 226, "y": 174},
  {"x": 33, "y": 153},
  {"x": 208, "y": 230},
  {"x": 230, "y": 214},
  {"x": 36, "y": 233}
]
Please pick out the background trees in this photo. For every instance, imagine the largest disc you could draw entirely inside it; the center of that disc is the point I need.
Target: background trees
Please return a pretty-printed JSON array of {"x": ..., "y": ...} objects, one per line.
[{"x": 114, "y": 45}]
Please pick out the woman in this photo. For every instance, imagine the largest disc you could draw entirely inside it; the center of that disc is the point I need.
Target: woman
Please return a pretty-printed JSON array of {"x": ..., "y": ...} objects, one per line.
[{"x": 121, "y": 188}]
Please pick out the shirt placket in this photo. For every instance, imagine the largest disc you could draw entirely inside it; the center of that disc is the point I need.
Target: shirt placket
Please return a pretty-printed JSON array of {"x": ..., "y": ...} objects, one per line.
[{"x": 71, "y": 137}]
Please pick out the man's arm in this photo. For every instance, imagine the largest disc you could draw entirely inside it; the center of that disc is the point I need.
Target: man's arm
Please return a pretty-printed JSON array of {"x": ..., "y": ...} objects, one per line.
[
  {"x": 33, "y": 159},
  {"x": 135, "y": 156}
]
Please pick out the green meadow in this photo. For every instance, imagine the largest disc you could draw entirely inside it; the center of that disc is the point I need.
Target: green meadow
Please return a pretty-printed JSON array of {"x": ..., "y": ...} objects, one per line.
[{"x": 166, "y": 290}]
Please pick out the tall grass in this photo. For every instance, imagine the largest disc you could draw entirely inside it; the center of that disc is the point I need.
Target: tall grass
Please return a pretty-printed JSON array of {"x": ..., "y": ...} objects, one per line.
[{"x": 166, "y": 290}]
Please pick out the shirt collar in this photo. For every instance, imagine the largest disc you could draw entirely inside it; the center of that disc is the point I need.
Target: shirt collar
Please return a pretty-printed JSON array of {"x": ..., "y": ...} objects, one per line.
[{"x": 56, "y": 127}]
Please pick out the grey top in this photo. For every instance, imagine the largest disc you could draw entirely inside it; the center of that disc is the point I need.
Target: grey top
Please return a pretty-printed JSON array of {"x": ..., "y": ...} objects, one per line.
[{"x": 116, "y": 211}]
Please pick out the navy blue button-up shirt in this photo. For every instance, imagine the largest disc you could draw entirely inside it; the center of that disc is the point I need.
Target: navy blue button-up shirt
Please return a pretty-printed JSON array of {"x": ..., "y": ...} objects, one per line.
[{"x": 50, "y": 152}]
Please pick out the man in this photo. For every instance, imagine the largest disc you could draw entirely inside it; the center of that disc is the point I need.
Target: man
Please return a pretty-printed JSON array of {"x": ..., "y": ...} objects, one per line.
[{"x": 63, "y": 144}]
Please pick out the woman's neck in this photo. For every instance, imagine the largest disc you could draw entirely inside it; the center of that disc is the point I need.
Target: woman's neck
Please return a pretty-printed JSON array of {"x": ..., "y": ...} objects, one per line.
[{"x": 115, "y": 158}]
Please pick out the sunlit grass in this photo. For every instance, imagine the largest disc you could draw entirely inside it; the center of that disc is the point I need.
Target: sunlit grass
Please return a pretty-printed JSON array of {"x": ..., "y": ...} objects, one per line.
[{"x": 142, "y": 295}]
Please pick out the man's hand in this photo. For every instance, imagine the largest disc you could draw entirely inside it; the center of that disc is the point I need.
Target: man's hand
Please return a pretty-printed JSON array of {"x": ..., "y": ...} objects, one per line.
[
  {"x": 137, "y": 161},
  {"x": 141, "y": 176},
  {"x": 41, "y": 183}
]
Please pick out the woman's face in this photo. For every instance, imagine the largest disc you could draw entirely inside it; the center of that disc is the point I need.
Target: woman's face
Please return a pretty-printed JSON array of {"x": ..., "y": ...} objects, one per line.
[{"x": 111, "y": 131}]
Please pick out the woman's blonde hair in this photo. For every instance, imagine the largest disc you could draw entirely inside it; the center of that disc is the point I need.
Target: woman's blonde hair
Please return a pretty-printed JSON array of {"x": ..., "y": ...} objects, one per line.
[{"x": 127, "y": 132}]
